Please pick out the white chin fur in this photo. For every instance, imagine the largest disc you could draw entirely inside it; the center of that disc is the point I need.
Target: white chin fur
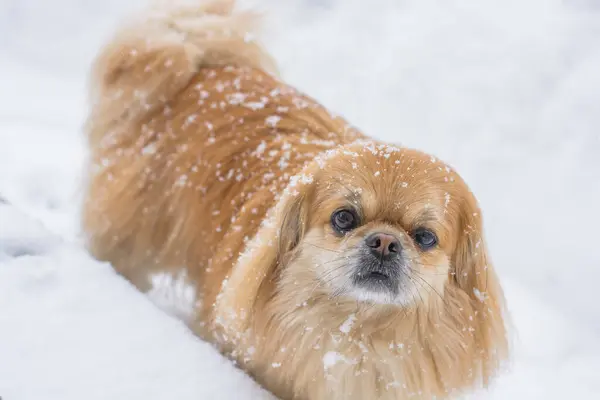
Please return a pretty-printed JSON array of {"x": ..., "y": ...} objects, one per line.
[{"x": 380, "y": 297}]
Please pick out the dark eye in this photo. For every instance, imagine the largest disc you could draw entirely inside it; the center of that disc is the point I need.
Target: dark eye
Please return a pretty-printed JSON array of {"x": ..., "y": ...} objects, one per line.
[
  {"x": 344, "y": 221},
  {"x": 425, "y": 238}
]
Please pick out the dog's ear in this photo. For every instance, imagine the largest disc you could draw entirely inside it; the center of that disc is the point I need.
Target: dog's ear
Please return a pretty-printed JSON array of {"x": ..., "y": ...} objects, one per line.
[
  {"x": 293, "y": 222},
  {"x": 270, "y": 249},
  {"x": 475, "y": 275}
]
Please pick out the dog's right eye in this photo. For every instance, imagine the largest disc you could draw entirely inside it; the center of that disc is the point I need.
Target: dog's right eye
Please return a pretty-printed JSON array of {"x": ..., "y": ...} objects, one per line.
[{"x": 344, "y": 221}]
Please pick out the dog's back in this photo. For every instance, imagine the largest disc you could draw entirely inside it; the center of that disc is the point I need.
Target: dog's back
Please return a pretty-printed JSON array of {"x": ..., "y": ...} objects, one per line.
[{"x": 129, "y": 215}]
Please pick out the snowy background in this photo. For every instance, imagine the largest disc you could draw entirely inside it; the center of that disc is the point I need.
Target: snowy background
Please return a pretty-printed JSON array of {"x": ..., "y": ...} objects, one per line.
[{"x": 507, "y": 91}]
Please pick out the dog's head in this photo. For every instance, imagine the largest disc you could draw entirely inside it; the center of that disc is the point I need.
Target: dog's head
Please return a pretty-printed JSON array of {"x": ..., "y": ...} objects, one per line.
[{"x": 378, "y": 226}]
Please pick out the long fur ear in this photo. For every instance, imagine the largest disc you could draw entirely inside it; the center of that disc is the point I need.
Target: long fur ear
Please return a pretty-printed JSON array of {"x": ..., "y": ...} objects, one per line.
[
  {"x": 292, "y": 227},
  {"x": 272, "y": 246},
  {"x": 475, "y": 275}
]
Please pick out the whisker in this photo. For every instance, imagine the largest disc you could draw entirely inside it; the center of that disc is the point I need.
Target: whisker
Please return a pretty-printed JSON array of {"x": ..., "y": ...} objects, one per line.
[
  {"x": 432, "y": 288},
  {"x": 324, "y": 248},
  {"x": 413, "y": 284},
  {"x": 427, "y": 273}
]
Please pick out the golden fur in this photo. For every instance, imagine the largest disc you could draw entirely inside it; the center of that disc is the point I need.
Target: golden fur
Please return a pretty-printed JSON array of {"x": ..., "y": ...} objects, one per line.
[{"x": 203, "y": 161}]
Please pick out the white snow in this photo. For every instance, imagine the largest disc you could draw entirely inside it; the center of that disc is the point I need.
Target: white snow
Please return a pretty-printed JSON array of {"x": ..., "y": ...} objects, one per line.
[
  {"x": 333, "y": 357},
  {"x": 71, "y": 329},
  {"x": 347, "y": 325},
  {"x": 272, "y": 120},
  {"x": 507, "y": 91},
  {"x": 174, "y": 294}
]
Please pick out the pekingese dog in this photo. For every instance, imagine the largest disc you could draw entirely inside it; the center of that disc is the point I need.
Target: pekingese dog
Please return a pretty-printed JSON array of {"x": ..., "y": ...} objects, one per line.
[{"x": 327, "y": 264}]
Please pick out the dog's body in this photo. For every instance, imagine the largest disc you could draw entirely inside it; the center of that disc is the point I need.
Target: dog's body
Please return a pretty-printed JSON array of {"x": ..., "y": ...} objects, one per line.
[{"x": 204, "y": 162}]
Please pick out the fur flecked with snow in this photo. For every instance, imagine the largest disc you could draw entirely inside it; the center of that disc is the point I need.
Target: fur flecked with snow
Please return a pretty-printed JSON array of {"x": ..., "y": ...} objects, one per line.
[{"x": 203, "y": 159}]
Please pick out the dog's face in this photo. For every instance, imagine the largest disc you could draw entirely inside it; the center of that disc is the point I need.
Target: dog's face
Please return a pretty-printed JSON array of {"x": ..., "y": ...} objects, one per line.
[
  {"x": 378, "y": 226},
  {"x": 381, "y": 225}
]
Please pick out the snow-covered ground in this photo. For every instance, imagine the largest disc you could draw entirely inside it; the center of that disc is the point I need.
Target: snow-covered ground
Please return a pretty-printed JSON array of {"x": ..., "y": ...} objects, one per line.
[{"x": 507, "y": 91}]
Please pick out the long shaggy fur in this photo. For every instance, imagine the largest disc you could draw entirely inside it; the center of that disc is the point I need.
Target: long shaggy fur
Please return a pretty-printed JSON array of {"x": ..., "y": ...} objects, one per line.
[{"x": 204, "y": 163}]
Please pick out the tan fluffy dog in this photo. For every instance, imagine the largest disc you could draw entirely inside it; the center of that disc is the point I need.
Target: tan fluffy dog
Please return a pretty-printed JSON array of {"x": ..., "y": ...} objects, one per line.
[{"x": 327, "y": 264}]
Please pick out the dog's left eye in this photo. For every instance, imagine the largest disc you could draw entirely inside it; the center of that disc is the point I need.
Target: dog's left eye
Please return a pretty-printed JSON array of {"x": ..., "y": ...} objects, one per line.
[
  {"x": 344, "y": 221},
  {"x": 425, "y": 238}
]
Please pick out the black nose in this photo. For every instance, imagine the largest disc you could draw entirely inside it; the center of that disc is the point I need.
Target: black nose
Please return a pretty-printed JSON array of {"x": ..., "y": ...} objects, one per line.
[{"x": 383, "y": 244}]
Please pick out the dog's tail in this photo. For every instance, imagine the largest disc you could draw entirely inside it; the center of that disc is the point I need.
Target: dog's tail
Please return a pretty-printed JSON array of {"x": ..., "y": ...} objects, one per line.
[{"x": 149, "y": 61}]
